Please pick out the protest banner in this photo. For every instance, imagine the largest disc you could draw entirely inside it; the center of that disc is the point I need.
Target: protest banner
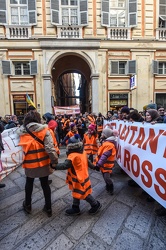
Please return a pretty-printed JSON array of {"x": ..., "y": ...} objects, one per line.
[
  {"x": 12, "y": 155},
  {"x": 67, "y": 110},
  {"x": 141, "y": 153}
]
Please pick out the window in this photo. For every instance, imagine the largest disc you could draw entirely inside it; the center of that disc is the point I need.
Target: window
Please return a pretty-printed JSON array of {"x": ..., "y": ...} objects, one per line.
[
  {"x": 162, "y": 14},
  {"x": 119, "y": 13},
  {"x": 19, "y": 68},
  {"x": 123, "y": 67},
  {"x": 22, "y": 68},
  {"x": 20, "y": 12},
  {"x": 69, "y": 12},
  {"x": 159, "y": 68}
]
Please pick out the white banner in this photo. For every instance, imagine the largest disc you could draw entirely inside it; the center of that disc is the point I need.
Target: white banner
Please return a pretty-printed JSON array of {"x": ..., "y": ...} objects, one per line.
[
  {"x": 64, "y": 110},
  {"x": 141, "y": 153},
  {"x": 12, "y": 155}
]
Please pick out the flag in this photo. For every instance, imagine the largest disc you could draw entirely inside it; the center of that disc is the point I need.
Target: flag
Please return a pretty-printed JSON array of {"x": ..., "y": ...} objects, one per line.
[{"x": 29, "y": 101}]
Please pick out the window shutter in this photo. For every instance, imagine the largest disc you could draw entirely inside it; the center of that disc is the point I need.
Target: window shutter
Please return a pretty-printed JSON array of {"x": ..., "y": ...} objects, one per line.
[
  {"x": 55, "y": 12},
  {"x": 3, "y": 13},
  {"x": 32, "y": 12},
  {"x": 131, "y": 66},
  {"x": 84, "y": 12},
  {"x": 6, "y": 67},
  {"x": 33, "y": 67},
  {"x": 155, "y": 67},
  {"x": 115, "y": 67},
  {"x": 105, "y": 13},
  {"x": 132, "y": 15}
]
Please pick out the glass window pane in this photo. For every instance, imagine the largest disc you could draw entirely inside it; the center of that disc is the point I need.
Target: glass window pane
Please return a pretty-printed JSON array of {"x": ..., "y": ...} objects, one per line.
[
  {"x": 17, "y": 68},
  {"x": 14, "y": 11},
  {"x": 65, "y": 12},
  {"x": 74, "y": 20},
  {"x": 23, "y": 1},
  {"x": 14, "y": 1},
  {"x": 73, "y": 2},
  {"x": 65, "y": 20},
  {"x": 64, "y": 2},
  {"x": 26, "y": 68}
]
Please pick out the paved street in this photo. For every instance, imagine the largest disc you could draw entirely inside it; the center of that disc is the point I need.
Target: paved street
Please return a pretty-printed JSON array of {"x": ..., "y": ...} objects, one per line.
[{"x": 126, "y": 220}]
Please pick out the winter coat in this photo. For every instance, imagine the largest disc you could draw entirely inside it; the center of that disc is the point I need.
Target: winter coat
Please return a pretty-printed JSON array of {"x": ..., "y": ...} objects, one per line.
[
  {"x": 1, "y": 130},
  {"x": 37, "y": 163},
  {"x": 106, "y": 155},
  {"x": 77, "y": 175}
]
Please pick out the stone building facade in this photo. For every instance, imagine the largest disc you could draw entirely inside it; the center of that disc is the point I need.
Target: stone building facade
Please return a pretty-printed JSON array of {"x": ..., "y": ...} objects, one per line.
[{"x": 117, "y": 46}]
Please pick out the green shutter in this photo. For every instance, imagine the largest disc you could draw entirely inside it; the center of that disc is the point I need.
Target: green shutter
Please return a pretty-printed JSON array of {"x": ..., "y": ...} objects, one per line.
[
  {"x": 131, "y": 67},
  {"x": 155, "y": 65}
]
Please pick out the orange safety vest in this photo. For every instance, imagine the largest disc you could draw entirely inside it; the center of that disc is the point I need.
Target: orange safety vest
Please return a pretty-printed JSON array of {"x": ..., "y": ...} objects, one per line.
[
  {"x": 99, "y": 128},
  {"x": 55, "y": 142},
  {"x": 108, "y": 165},
  {"x": 78, "y": 176},
  {"x": 90, "y": 144},
  {"x": 91, "y": 119},
  {"x": 34, "y": 152}
]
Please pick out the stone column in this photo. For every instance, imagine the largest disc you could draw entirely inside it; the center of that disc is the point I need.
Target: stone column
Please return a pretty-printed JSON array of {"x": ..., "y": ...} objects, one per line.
[
  {"x": 95, "y": 93},
  {"x": 47, "y": 93}
]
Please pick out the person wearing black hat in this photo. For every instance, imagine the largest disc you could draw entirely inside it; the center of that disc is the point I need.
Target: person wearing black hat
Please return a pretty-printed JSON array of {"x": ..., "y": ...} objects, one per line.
[{"x": 78, "y": 177}]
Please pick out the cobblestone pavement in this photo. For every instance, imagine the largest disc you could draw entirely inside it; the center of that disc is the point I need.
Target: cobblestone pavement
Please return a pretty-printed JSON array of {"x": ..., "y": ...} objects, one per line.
[{"x": 126, "y": 220}]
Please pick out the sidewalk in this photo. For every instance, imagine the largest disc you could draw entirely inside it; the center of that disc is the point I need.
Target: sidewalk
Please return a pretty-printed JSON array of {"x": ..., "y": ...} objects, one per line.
[{"x": 126, "y": 220}]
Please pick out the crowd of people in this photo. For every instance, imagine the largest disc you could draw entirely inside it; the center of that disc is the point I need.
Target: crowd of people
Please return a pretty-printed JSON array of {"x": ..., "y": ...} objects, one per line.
[{"x": 88, "y": 145}]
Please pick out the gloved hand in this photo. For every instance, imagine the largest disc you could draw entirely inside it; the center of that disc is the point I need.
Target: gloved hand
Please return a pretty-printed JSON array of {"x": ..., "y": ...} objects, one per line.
[
  {"x": 97, "y": 168},
  {"x": 53, "y": 165}
]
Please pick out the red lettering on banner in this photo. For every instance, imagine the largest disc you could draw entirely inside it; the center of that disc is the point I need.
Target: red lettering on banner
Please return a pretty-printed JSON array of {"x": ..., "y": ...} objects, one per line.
[
  {"x": 127, "y": 159},
  {"x": 140, "y": 139},
  {"x": 136, "y": 171},
  {"x": 5, "y": 144},
  {"x": 146, "y": 167},
  {"x": 164, "y": 155},
  {"x": 153, "y": 140},
  {"x": 127, "y": 133},
  {"x": 133, "y": 129},
  {"x": 122, "y": 134},
  {"x": 118, "y": 152},
  {"x": 160, "y": 172}
]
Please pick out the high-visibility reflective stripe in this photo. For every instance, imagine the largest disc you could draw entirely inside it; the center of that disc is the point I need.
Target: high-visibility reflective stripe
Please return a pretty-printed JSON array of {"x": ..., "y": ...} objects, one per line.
[
  {"x": 35, "y": 151},
  {"x": 78, "y": 191},
  {"x": 37, "y": 159}
]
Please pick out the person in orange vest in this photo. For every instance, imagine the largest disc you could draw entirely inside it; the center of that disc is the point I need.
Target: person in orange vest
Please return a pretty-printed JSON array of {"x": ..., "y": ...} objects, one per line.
[
  {"x": 78, "y": 177},
  {"x": 39, "y": 152},
  {"x": 91, "y": 118},
  {"x": 106, "y": 156},
  {"x": 99, "y": 123},
  {"x": 90, "y": 141},
  {"x": 73, "y": 131}
]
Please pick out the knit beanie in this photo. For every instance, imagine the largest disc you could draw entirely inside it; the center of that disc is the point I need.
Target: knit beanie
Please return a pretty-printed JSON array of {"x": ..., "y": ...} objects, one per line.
[
  {"x": 72, "y": 125},
  {"x": 74, "y": 139},
  {"x": 92, "y": 127},
  {"x": 107, "y": 132},
  {"x": 125, "y": 109},
  {"x": 151, "y": 106}
]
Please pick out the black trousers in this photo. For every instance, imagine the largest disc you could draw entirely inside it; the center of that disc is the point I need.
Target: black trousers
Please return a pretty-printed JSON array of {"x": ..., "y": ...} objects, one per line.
[{"x": 46, "y": 191}]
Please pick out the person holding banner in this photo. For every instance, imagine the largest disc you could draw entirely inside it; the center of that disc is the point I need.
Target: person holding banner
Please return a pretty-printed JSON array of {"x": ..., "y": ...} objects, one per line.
[
  {"x": 106, "y": 156},
  {"x": 39, "y": 152},
  {"x": 1, "y": 149}
]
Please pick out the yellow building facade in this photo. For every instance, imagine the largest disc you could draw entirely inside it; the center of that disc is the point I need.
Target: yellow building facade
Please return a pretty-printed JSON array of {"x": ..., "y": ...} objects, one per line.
[{"x": 117, "y": 46}]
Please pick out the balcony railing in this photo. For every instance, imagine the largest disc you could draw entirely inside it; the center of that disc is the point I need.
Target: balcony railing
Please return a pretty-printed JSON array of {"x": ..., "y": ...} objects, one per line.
[
  {"x": 161, "y": 34},
  {"x": 118, "y": 33},
  {"x": 73, "y": 32},
  {"x": 18, "y": 32}
]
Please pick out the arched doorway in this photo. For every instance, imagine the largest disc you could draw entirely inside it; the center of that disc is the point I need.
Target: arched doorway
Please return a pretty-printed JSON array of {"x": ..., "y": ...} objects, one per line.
[{"x": 72, "y": 83}]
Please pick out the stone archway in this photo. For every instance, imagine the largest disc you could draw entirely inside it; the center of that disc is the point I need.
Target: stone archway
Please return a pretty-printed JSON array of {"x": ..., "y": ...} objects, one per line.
[{"x": 71, "y": 63}]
